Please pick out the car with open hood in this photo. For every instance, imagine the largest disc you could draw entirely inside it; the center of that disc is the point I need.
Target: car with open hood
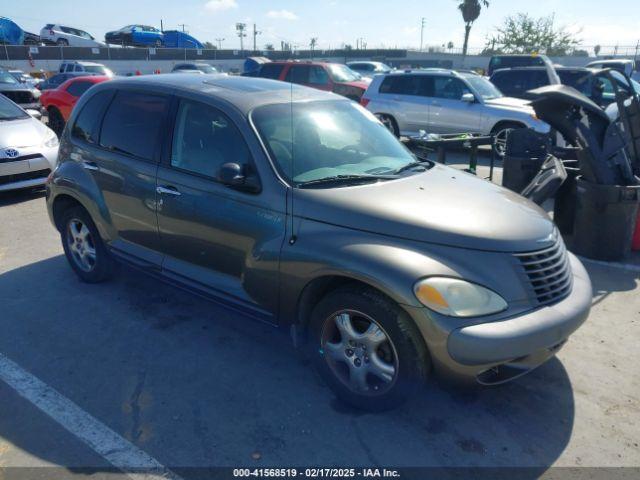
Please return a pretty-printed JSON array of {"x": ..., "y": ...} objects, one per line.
[{"x": 298, "y": 208}]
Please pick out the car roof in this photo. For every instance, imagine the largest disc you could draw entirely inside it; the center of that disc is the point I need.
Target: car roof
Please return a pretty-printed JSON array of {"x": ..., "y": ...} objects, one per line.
[
  {"x": 542, "y": 69},
  {"x": 609, "y": 61},
  {"x": 231, "y": 89},
  {"x": 80, "y": 62},
  {"x": 300, "y": 62},
  {"x": 423, "y": 71}
]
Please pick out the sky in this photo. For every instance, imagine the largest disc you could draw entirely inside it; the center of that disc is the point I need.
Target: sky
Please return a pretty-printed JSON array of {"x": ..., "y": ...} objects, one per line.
[{"x": 381, "y": 23}]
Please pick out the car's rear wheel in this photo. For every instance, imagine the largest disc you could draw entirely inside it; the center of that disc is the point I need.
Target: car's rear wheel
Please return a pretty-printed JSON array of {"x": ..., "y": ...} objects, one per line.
[
  {"x": 367, "y": 348},
  {"x": 62, "y": 42},
  {"x": 83, "y": 246},
  {"x": 389, "y": 122},
  {"x": 56, "y": 120},
  {"x": 500, "y": 133}
]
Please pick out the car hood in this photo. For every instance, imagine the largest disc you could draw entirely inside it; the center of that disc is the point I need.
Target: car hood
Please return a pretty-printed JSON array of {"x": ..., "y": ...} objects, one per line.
[
  {"x": 362, "y": 84},
  {"x": 510, "y": 103},
  {"x": 25, "y": 132},
  {"x": 442, "y": 205}
]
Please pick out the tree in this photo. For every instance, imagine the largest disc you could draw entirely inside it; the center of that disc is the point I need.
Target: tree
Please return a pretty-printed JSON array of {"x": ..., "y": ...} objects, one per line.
[
  {"x": 450, "y": 46},
  {"x": 597, "y": 49},
  {"x": 522, "y": 33},
  {"x": 470, "y": 10},
  {"x": 269, "y": 47},
  {"x": 209, "y": 46}
]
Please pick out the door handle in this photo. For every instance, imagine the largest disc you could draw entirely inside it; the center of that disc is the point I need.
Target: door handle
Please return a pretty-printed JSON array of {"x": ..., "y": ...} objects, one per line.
[
  {"x": 168, "y": 191},
  {"x": 90, "y": 165}
]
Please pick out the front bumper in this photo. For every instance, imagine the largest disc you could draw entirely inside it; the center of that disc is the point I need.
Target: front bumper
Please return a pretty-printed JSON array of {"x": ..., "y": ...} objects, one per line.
[
  {"x": 27, "y": 172},
  {"x": 499, "y": 351}
]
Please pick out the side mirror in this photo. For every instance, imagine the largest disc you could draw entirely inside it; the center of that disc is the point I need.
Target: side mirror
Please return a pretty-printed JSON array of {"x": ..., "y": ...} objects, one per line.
[
  {"x": 34, "y": 113},
  {"x": 233, "y": 175},
  {"x": 468, "y": 97}
]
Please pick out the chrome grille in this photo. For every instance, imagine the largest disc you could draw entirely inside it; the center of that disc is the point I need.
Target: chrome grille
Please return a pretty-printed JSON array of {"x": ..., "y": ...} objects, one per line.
[{"x": 549, "y": 272}]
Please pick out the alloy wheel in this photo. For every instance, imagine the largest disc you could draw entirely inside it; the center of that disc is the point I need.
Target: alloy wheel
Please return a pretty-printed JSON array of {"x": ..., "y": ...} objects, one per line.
[
  {"x": 500, "y": 141},
  {"x": 359, "y": 352},
  {"x": 81, "y": 245}
]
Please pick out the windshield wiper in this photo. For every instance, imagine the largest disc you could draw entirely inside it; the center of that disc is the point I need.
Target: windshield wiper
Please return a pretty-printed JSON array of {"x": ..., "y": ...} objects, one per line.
[
  {"x": 338, "y": 179},
  {"x": 411, "y": 165}
]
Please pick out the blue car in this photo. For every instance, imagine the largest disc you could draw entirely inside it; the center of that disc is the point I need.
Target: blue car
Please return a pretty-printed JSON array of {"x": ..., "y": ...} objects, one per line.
[
  {"x": 137, "y": 36},
  {"x": 10, "y": 33},
  {"x": 177, "y": 39}
]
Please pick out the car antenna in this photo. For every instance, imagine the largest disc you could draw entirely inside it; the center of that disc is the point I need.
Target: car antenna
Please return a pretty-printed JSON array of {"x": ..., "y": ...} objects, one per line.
[{"x": 292, "y": 238}]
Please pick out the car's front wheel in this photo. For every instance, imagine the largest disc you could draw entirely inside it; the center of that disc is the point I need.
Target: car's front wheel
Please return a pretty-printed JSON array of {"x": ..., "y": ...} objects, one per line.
[
  {"x": 83, "y": 246},
  {"x": 367, "y": 348},
  {"x": 500, "y": 134}
]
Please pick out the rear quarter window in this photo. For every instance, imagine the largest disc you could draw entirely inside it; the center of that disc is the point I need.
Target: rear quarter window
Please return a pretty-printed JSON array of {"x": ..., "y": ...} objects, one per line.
[
  {"x": 133, "y": 122},
  {"x": 271, "y": 71},
  {"x": 86, "y": 125}
]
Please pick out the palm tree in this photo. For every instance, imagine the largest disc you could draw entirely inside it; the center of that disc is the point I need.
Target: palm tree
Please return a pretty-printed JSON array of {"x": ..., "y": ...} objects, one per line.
[{"x": 470, "y": 10}]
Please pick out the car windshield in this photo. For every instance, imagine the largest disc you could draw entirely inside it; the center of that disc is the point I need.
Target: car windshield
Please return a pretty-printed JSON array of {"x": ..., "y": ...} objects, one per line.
[
  {"x": 483, "y": 87},
  {"x": 9, "y": 110},
  {"x": 206, "y": 69},
  {"x": 310, "y": 141},
  {"x": 342, "y": 73},
  {"x": 7, "y": 78},
  {"x": 97, "y": 69}
]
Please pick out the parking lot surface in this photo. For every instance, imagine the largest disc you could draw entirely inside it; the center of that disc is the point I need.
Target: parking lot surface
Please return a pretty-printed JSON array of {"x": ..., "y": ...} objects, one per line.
[{"x": 194, "y": 385}]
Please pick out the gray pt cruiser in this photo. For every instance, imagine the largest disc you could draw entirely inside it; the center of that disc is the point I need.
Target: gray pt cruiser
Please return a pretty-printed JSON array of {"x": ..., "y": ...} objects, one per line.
[{"x": 299, "y": 208}]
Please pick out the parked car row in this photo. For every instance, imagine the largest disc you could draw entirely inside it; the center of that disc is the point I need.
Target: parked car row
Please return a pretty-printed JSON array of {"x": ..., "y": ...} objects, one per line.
[{"x": 68, "y": 36}]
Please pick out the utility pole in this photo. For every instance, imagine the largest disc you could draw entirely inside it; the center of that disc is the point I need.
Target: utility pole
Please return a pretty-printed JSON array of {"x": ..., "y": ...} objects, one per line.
[
  {"x": 635, "y": 55},
  {"x": 240, "y": 30},
  {"x": 182, "y": 25},
  {"x": 255, "y": 34},
  {"x": 421, "y": 33},
  {"x": 219, "y": 41}
]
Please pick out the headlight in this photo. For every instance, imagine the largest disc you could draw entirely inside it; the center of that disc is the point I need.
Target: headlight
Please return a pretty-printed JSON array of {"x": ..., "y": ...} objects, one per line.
[
  {"x": 50, "y": 139},
  {"x": 457, "y": 298}
]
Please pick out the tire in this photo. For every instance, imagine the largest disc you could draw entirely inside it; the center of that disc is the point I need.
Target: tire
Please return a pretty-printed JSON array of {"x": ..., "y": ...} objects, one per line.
[
  {"x": 62, "y": 42},
  {"x": 83, "y": 247},
  {"x": 56, "y": 121},
  {"x": 500, "y": 133},
  {"x": 387, "y": 359},
  {"x": 389, "y": 122}
]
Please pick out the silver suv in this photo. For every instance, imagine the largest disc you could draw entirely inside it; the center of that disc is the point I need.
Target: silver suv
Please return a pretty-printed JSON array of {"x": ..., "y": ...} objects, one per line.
[{"x": 446, "y": 101}]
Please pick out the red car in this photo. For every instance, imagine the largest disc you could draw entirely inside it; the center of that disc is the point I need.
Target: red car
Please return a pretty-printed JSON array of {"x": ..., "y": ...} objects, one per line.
[
  {"x": 332, "y": 77},
  {"x": 59, "y": 101}
]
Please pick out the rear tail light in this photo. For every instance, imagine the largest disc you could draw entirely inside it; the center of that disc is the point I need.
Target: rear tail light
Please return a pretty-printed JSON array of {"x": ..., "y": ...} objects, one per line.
[{"x": 364, "y": 101}]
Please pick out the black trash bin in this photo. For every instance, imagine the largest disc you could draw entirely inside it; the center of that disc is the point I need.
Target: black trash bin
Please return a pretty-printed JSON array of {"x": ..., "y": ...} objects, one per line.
[
  {"x": 525, "y": 153},
  {"x": 605, "y": 220}
]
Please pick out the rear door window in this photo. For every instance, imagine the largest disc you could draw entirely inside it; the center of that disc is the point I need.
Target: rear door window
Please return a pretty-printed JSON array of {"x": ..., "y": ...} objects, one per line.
[
  {"x": 78, "y": 88},
  {"x": 405, "y": 85},
  {"x": 298, "y": 74},
  {"x": 271, "y": 70},
  {"x": 132, "y": 124}
]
